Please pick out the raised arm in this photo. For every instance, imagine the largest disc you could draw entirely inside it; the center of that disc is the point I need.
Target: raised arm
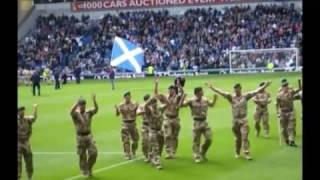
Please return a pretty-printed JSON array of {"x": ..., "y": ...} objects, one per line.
[
  {"x": 183, "y": 97},
  {"x": 300, "y": 84},
  {"x": 213, "y": 102},
  {"x": 156, "y": 83},
  {"x": 180, "y": 89},
  {"x": 161, "y": 97},
  {"x": 35, "y": 113},
  {"x": 220, "y": 92},
  {"x": 117, "y": 110},
  {"x": 297, "y": 96},
  {"x": 73, "y": 109},
  {"x": 251, "y": 94},
  {"x": 95, "y": 108},
  {"x": 278, "y": 106}
]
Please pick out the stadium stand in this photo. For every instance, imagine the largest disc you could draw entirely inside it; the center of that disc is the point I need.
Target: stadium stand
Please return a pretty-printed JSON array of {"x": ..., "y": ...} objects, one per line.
[{"x": 200, "y": 38}]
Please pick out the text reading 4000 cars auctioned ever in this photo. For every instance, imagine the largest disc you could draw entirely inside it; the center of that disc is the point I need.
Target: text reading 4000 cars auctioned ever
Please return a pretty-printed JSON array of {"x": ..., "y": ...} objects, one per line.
[{"x": 122, "y": 4}]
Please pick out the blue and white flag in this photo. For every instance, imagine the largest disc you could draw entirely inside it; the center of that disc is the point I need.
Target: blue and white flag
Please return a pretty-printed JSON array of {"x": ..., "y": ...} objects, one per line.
[{"x": 127, "y": 55}]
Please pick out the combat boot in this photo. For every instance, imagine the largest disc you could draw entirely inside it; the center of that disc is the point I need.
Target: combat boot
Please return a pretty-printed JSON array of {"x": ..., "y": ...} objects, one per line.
[
  {"x": 159, "y": 167},
  {"x": 197, "y": 158},
  {"x": 127, "y": 157},
  {"x": 169, "y": 156},
  {"x": 247, "y": 156},
  {"x": 237, "y": 156},
  {"x": 287, "y": 142},
  {"x": 203, "y": 156},
  {"x": 146, "y": 160},
  {"x": 133, "y": 155},
  {"x": 257, "y": 133},
  {"x": 293, "y": 144},
  {"x": 266, "y": 134}
]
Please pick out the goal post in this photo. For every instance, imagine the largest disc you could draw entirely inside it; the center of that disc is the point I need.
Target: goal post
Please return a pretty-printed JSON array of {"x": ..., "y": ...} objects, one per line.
[{"x": 264, "y": 60}]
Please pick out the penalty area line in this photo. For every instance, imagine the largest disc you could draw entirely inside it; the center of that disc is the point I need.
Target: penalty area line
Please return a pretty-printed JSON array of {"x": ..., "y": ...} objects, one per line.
[{"x": 105, "y": 168}]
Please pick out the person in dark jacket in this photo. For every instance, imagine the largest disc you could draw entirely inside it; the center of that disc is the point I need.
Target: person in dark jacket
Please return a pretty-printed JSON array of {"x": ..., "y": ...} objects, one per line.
[
  {"x": 56, "y": 75},
  {"x": 77, "y": 73},
  {"x": 64, "y": 76},
  {"x": 35, "y": 79},
  {"x": 112, "y": 74}
]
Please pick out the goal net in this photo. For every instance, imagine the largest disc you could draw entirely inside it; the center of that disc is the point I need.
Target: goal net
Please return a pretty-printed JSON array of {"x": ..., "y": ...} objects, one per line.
[{"x": 264, "y": 60}]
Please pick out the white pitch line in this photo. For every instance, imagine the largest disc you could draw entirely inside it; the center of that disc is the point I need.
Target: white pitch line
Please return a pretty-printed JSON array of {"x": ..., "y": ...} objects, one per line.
[
  {"x": 63, "y": 153},
  {"x": 105, "y": 168}
]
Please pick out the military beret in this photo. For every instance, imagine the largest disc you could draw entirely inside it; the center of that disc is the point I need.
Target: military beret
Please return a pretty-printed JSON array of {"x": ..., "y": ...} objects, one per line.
[
  {"x": 81, "y": 101},
  {"x": 146, "y": 97},
  {"x": 284, "y": 82},
  {"x": 126, "y": 93},
  {"x": 21, "y": 108},
  {"x": 154, "y": 100},
  {"x": 237, "y": 86},
  {"x": 172, "y": 87},
  {"x": 197, "y": 89}
]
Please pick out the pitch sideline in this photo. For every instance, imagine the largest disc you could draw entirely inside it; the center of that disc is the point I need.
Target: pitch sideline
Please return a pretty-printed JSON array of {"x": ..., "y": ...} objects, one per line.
[
  {"x": 66, "y": 153},
  {"x": 106, "y": 168}
]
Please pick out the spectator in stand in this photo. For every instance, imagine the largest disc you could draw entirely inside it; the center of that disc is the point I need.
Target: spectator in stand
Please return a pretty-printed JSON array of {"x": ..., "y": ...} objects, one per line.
[{"x": 199, "y": 38}]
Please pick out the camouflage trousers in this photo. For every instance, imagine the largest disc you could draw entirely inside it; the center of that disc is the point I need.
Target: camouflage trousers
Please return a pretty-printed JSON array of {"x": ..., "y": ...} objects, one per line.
[
  {"x": 171, "y": 129},
  {"x": 240, "y": 130},
  {"x": 156, "y": 141},
  {"x": 264, "y": 116},
  {"x": 87, "y": 152},
  {"x": 201, "y": 128},
  {"x": 145, "y": 140},
  {"x": 24, "y": 150},
  {"x": 129, "y": 131},
  {"x": 288, "y": 125}
]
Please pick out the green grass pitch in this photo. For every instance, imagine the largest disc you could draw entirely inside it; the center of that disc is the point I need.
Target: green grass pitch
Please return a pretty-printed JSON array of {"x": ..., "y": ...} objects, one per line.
[{"x": 53, "y": 139}]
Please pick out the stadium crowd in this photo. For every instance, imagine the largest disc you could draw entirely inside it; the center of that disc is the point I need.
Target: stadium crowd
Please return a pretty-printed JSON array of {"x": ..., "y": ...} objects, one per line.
[
  {"x": 200, "y": 38},
  {"x": 60, "y": 1}
]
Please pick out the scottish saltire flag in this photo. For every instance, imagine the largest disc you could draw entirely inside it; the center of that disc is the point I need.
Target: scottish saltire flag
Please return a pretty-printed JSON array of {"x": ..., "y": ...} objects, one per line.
[{"x": 127, "y": 55}]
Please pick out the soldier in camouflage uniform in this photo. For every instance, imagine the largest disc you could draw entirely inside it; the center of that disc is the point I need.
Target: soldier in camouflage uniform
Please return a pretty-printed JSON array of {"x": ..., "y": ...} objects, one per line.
[
  {"x": 156, "y": 139},
  {"x": 262, "y": 99},
  {"x": 85, "y": 143},
  {"x": 145, "y": 128},
  {"x": 199, "y": 107},
  {"x": 128, "y": 110},
  {"x": 24, "y": 134},
  {"x": 300, "y": 95},
  {"x": 240, "y": 126},
  {"x": 171, "y": 124},
  {"x": 285, "y": 110}
]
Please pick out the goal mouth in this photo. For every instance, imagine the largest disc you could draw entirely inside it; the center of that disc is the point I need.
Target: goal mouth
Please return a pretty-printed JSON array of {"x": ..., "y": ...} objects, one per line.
[{"x": 264, "y": 60}]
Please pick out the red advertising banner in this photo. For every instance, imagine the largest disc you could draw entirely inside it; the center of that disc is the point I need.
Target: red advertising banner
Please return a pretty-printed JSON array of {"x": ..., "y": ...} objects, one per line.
[{"x": 133, "y": 4}]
